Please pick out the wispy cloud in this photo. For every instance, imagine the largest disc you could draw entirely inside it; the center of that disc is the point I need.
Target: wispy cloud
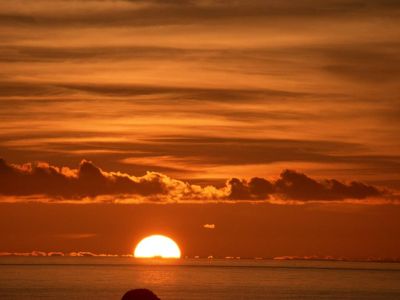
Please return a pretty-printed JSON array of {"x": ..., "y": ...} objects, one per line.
[
  {"x": 210, "y": 89},
  {"x": 76, "y": 236},
  {"x": 152, "y": 13}
]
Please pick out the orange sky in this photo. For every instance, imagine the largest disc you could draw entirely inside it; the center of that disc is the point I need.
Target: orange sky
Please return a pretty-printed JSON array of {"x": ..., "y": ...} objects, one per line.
[
  {"x": 246, "y": 230},
  {"x": 198, "y": 93}
]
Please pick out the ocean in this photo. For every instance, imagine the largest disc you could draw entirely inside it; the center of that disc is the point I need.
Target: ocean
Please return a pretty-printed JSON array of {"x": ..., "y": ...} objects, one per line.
[{"x": 108, "y": 278}]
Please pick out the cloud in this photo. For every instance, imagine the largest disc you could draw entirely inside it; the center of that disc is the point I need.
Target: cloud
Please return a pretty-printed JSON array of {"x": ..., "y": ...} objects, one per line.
[
  {"x": 209, "y": 226},
  {"x": 255, "y": 84},
  {"x": 91, "y": 182},
  {"x": 57, "y": 253},
  {"x": 155, "y": 13},
  {"x": 33, "y": 253},
  {"x": 298, "y": 186},
  {"x": 293, "y": 185},
  {"x": 361, "y": 61},
  {"x": 76, "y": 236},
  {"x": 174, "y": 93},
  {"x": 254, "y": 189}
]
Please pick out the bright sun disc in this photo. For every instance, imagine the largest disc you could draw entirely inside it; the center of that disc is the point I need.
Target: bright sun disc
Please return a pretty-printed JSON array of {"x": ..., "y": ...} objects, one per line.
[{"x": 157, "y": 246}]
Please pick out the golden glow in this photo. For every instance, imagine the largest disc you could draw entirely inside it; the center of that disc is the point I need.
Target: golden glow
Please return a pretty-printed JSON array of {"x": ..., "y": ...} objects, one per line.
[{"x": 157, "y": 246}]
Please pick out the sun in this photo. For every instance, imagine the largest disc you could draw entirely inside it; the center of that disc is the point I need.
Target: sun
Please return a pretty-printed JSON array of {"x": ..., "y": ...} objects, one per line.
[{"x": 157, "y": 246}]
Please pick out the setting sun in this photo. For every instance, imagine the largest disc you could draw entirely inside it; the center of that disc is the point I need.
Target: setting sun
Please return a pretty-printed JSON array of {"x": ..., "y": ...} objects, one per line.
[{"x": 157, "y": 246}]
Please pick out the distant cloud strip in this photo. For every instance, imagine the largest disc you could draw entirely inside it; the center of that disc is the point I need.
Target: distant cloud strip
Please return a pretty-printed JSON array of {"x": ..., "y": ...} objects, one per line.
[
  {"x": 152, "y": 13},
  {"x": 89, "y": 182}
]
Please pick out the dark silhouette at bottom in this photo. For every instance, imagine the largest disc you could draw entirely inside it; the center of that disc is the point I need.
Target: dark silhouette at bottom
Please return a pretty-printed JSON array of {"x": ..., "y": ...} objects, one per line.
[{"x": 140, "y": 294}]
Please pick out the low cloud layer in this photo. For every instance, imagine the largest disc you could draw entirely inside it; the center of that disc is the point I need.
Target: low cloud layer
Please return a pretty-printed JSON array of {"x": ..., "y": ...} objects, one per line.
[
  {"x": 89, "y": 182},
  {"x": 292, "y": 185}
]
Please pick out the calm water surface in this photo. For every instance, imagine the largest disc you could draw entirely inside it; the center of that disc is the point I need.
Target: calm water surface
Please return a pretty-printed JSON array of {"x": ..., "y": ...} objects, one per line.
[{"x": 108, "y": 278}]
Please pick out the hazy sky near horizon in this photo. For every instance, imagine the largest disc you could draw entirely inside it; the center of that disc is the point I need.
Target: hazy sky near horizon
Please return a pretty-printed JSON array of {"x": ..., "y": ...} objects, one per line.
[
  {"x": 246, "y": 230},
  {"x": 287, "y": 102}
]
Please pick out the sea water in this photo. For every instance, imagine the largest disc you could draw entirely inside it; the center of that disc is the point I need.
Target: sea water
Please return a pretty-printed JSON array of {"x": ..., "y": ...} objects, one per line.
[{"x": 108, "y": 278}]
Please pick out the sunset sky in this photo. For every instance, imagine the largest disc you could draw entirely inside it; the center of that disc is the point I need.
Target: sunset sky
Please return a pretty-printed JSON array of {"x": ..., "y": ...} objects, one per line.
[{"x": 277, "y": 122}]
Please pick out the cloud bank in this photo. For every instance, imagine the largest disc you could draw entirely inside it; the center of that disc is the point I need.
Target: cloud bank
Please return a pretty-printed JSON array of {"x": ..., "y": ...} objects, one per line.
[{"x": 89, "y": 182}]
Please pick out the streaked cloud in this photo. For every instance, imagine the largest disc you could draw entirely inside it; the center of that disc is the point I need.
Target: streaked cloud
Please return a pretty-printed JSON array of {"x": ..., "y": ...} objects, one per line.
[
  {"x": 75, "y": 236},
  {"x": 151, "y": 13},
  {"x": 204, "y": 90}
]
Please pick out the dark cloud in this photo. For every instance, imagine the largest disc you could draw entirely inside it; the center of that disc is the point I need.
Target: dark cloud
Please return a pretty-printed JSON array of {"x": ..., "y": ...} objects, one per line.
[
  {"x": 89, "y": 181},
  {"x": 292, "y": 185},
  {"x": 224, "y": 150},
  {"x": 155, "y": 13},
  {"x": 28, "y": 89},
  {"x": 13, "y": 20},
  {"x": 57, "y": 54},
  {"x": 374, "y": 62},
  {"x": 298, "y": 186},
  {"x": 241, "y": 151},
  {"x": 315, "y": 79},
  {"x": 362, "y": 61},
  {"x": 205, "y": 150},
  {"x": 181, "y": 93},
  {"x": 254, "y": 189},
  {"x": 32, "y": 89}
]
